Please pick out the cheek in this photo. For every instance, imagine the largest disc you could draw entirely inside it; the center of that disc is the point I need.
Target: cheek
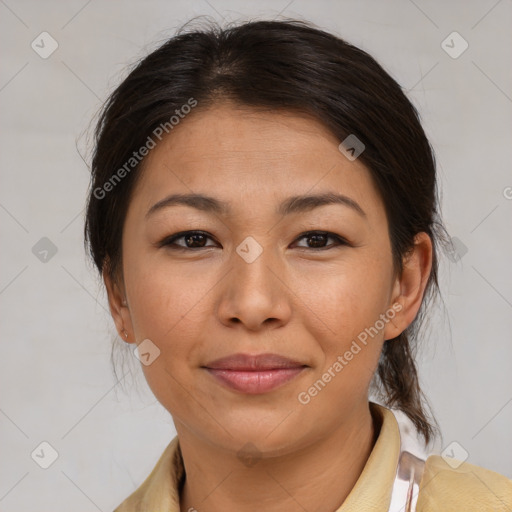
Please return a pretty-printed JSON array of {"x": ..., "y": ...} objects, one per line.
[
  {"x": 163, "y": 296},
  {"x": 171, "y": 306},
  {"x": 352, "y": 298},
  {"x": 168, "y": 307},
  {"x": 351, "y": 306}
]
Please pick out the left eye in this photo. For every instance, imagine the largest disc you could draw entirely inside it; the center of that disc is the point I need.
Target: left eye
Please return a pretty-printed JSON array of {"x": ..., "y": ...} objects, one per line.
[{"x": 319, "y": 238}]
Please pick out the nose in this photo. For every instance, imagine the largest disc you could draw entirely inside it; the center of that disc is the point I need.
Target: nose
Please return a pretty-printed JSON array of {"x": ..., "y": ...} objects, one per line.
[{"x": 255, "y": 294}]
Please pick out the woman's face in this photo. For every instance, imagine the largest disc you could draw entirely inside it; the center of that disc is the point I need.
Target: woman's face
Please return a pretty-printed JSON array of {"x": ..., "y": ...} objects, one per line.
[{"x": 254, "y": 282}]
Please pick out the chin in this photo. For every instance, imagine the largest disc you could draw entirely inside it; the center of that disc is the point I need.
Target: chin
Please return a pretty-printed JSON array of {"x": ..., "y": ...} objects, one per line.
[{"x": 266, "y": 438}]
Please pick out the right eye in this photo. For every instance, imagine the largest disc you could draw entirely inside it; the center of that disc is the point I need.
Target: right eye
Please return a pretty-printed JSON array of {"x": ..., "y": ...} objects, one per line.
[{"x": 193, "y": 240}]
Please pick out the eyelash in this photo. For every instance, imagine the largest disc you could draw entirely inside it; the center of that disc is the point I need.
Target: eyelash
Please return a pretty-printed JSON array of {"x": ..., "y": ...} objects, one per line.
[{"x": 169, "y": 241}]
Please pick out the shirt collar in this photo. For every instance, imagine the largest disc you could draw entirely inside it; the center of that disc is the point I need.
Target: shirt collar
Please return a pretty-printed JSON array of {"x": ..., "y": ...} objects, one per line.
[{"x": 372, "y": 491}]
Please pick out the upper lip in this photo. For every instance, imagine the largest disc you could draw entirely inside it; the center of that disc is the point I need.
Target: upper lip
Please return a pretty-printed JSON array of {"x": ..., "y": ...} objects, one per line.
[{"x": 247, "y": 362}]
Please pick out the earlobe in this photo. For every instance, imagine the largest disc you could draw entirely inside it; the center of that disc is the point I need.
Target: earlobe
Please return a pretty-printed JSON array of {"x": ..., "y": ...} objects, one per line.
[
  {"x": 410, "y": 286},
  {"x": 394, "y": 327},
  {"x": 118, "y": 306}
]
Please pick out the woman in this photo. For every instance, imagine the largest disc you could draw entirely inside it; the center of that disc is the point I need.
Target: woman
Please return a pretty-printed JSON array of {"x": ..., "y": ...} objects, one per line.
[{"x": 263, "y": 211}]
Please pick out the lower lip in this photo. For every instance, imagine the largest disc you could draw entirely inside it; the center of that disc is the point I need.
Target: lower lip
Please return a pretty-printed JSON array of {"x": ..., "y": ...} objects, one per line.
[{"x": 255, "y": 382}]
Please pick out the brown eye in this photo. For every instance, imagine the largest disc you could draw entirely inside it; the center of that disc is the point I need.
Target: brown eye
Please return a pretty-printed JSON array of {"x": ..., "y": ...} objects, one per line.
[
  {"x": 318, "y": 240},
  {"x": 195, "y": 240},
  {"x": 192, "y": 240},
  {"x": 198, "y": 239}
]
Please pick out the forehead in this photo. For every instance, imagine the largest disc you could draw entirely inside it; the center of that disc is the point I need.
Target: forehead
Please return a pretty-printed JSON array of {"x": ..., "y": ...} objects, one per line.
[{"x": 251, "y": 153}]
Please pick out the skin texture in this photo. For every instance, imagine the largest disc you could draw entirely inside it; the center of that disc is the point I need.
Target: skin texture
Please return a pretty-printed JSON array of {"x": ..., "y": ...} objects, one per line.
[{"x": 296, "y": 300}]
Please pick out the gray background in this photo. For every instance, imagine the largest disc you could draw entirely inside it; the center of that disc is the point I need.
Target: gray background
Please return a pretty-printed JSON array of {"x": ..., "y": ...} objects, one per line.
[{"x": 56, "y": 380}]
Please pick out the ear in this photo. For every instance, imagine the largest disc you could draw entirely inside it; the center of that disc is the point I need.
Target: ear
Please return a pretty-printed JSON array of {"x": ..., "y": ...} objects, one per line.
[
  {"x": 409, "y": 287},
  {"x": 119, "y": 308}
]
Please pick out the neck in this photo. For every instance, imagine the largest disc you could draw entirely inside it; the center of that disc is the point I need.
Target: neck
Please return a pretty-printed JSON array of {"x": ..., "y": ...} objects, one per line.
[{"x": 316, "y": 477}]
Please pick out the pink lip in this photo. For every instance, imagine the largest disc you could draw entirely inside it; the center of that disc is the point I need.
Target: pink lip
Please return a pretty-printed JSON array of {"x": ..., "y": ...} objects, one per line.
[{"x": 254, "y": 374}]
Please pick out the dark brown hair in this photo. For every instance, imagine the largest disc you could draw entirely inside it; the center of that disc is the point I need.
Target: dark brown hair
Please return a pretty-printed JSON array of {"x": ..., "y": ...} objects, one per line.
[{"x": 281, "y": 65}]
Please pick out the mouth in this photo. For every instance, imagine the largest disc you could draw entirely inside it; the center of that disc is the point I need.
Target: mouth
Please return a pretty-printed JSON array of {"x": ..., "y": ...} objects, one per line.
[{"x": 254, "y": 374}]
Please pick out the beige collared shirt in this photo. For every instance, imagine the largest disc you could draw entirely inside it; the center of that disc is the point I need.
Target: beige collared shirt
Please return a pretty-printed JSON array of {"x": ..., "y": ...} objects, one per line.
[{"x": 442, "y": 488}]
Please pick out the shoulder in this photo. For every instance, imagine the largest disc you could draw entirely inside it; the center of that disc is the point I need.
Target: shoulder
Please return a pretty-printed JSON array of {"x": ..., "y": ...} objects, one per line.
[{"x": 455, "y": 486}]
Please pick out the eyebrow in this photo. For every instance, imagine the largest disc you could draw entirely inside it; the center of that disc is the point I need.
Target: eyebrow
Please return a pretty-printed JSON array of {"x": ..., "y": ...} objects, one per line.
[{"x": 294, "y": 204}]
